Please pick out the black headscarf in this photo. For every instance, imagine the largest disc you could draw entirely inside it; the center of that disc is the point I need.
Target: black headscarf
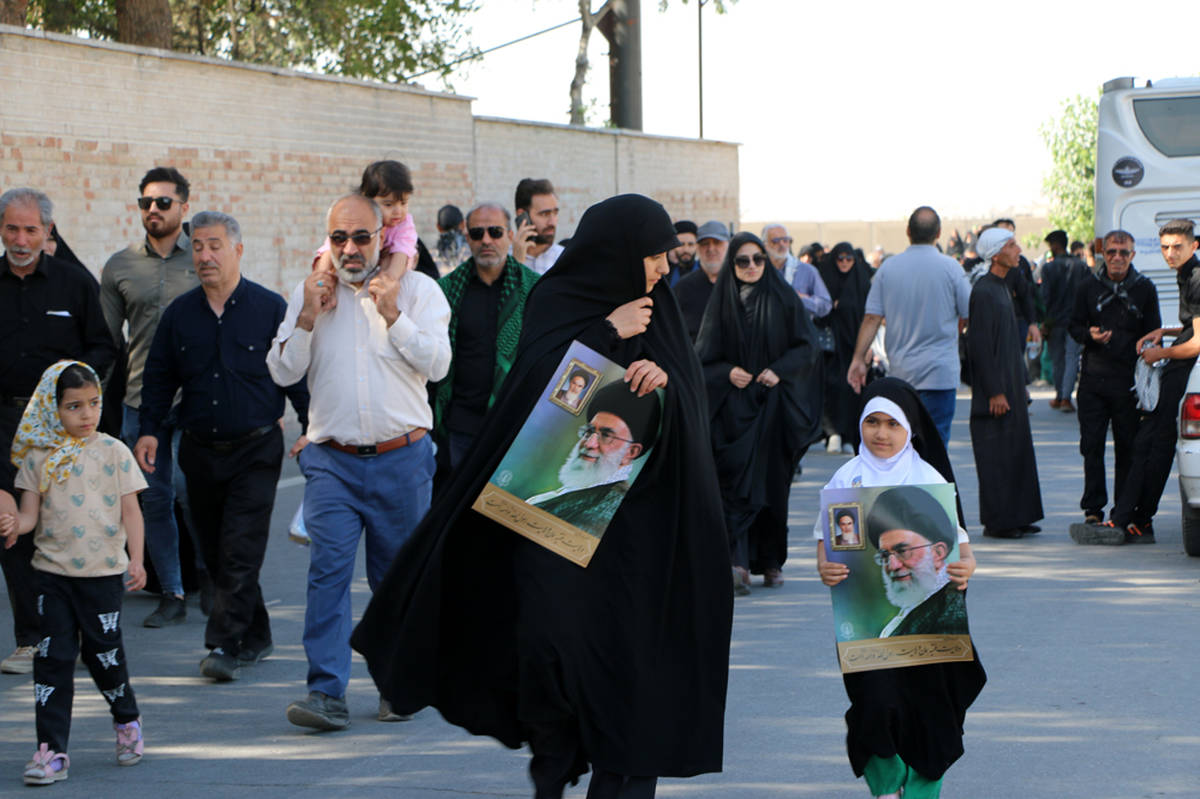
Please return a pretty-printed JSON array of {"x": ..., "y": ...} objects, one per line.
[
  {"x": 848, "y": 290},
  {"x": 501, "y": 635},
  {"x": 758, "y": 432},
  {"x": 916, "y": 712}
]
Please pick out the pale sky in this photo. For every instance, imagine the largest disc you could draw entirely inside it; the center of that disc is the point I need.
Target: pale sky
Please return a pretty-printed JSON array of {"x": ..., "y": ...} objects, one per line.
[{"x": 848, "y": 110}]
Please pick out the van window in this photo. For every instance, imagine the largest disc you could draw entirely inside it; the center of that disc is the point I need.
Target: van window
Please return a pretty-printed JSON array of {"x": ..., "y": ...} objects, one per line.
[{"x": 1172, "y": 124}]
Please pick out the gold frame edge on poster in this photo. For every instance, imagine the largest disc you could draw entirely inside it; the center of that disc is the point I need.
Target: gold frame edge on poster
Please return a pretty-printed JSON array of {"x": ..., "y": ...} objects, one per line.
[
  {"x": 906, "y": 650},
  {"x": 536, "y": 524},
  {"x": 561, "y": 384}
]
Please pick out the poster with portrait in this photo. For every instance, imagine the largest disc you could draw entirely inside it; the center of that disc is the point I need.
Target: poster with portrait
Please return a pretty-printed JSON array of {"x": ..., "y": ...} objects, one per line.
[
  {"x": 898, "y": 606},
  {"x": 575, "y": 457}
]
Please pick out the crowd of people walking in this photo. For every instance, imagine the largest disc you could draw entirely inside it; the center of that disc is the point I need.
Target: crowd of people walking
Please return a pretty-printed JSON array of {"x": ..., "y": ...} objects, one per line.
[{"x": 410, "y": 369}]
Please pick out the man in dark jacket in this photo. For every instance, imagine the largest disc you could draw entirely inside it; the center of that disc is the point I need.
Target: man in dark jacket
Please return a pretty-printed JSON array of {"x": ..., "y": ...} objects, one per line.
[
  {"x": 1061, "y": 277},
  {"x": 1113, "y": 309}
]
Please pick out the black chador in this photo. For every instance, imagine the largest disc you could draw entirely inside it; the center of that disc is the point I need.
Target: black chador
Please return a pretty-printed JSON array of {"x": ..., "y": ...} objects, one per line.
[
  {"x": 623, "y": 664},
  {"x": 1010, "y": 496},
  {"x": 758, "y": 432}
]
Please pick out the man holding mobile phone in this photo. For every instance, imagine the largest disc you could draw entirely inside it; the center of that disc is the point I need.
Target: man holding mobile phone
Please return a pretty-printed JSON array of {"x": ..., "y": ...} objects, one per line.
[
  {"x": 1113, "y": 309},
  {"x": 537, "y": 222}
]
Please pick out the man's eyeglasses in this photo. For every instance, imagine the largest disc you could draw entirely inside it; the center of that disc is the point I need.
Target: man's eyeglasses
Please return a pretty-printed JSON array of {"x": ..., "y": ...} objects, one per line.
[
  {"x": 606, "y": 434},
  {"x": 743, "y": 261},
  {"x": 903, "y": 553},
  {"x": 359, "y": 237},
  {"x": 495, "y": 231},
  {"x": 781, "y": 240},
  {"x": 163, "y": 203},
  {"x": 1114, "y": 252}
]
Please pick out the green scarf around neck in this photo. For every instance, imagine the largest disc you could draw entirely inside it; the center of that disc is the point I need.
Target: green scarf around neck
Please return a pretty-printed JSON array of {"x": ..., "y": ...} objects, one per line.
[{"x": 516, "y": 280}]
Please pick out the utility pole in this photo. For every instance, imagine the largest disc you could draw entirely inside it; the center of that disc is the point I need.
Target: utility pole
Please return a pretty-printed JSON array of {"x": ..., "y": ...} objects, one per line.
[
  {"x": 622, "y": 27},
  {"x": 700, "y": 57}
]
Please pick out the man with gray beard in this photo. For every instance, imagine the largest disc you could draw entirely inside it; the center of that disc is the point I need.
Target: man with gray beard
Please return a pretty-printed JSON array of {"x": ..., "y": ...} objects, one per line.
[
  {"x": 694, "y": 290},
  {"x": 368, "y": 343},
  {"x": 595, "y": 477},
  {"x": 913, "y": 564}
]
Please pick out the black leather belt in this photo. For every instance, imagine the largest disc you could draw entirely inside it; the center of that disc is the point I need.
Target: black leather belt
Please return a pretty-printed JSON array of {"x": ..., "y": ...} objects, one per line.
[{"x": 229, "y": 444}]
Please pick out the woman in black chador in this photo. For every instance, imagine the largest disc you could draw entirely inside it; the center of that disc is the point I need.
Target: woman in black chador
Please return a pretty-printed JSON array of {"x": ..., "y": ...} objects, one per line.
[
  {"x": 848, "y": 279},
  {"x": 757, "y": 348},
  {"x": 622, "y": 664}
]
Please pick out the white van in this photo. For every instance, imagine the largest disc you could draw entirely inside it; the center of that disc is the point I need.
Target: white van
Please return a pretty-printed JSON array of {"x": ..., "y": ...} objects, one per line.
[{"x": 1148, "y": 169}]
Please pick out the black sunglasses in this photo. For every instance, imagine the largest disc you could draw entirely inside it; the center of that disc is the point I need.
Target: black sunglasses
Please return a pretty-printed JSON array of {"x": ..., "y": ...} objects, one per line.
[
  {"x": 1118, "y": 252},
  {"x": 743, "y": 261},
  {"x": 359, "y": 237},
  {"x": 163, "y": 203},
  {"x": 495, "y": 231}
]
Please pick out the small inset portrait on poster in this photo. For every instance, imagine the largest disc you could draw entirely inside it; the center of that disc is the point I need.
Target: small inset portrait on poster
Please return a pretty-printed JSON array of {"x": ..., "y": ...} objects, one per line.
[
  {"x": 575, "y": 385},
  {"x": 844, "y": 523}
]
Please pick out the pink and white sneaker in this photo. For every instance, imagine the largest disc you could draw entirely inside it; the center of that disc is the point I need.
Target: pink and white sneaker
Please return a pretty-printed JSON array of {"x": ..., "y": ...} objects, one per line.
[
  {"x": 47, "y": 767},
  {"x": 129, "y": 743}
]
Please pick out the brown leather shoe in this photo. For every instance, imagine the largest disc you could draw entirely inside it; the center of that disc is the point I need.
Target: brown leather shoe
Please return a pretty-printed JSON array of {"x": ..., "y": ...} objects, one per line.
[
  {"x": 1066, "y": 407},
  {"x": 1056, "y": 403},
  {"x": 772, "y": 578}
]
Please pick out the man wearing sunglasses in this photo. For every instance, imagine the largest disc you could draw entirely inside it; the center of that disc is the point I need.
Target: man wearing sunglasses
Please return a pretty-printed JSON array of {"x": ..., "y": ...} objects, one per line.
[
  {"x": 368, "y": 357},
  {"x": 487, "y": 303},
  {"x": 137, "y": 284},
  {"x": 1112, "y": 310},
  {"x": 1132, "y": 517},
  {"x": 803, "y": 277}
]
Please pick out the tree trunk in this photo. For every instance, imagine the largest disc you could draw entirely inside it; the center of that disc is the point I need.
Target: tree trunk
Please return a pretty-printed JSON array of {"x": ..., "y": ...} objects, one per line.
[
  {"x": 589, "y": 21},
  {"x": 12, "y": 12},
  {"x": 144, "y": 22}
]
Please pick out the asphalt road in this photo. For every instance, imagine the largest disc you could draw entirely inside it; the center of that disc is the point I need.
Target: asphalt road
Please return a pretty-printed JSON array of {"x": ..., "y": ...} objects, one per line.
[{"x": 1090, "y": 653}]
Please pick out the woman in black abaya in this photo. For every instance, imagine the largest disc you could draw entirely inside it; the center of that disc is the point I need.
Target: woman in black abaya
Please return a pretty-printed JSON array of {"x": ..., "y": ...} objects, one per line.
[
  {"x": 757, "y": 348},
  {"x": 848, "y": 279},
  {"x": 622, "y": 664}
]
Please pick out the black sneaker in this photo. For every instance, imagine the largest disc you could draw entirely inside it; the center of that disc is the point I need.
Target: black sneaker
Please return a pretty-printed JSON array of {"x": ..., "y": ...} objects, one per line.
[
  {"x": 1105, "y": 534},
  {"x": 1013, "y": 533},
  {"x": 1139, "y": 534},
  {"x": 220, "y": 666},
  {"x": 250, "y": 656},
  {"x": 320, "y": 712},
  {"x": 171, "y": 610}
]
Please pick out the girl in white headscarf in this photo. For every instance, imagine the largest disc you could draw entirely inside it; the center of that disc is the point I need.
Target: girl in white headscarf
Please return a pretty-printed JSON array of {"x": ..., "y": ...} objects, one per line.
[{"x": 904, "y": 725}]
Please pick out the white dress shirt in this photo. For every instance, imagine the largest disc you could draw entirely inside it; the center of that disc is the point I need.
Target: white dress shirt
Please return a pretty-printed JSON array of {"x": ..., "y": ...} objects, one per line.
[
  {"x": 367, "y": 381},
  {"x": 542, "y": 263}
]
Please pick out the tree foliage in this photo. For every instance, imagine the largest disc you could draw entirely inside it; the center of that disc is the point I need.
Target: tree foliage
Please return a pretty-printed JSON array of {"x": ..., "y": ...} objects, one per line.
[
  {"x": 383, "y": 40},
  {"x": 1071, "y": 182}
]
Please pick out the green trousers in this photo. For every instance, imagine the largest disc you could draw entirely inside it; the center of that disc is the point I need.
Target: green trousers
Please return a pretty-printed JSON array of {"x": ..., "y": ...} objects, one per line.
[{"x": 890, "y": 775}]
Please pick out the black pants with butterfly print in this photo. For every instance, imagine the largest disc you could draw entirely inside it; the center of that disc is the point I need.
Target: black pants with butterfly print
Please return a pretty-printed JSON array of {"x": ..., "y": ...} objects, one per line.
[{"x": 75, "y": 611}]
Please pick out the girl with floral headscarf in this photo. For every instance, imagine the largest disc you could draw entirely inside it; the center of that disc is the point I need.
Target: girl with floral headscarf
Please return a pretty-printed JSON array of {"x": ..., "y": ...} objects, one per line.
[{"x": 80, "y": 501}]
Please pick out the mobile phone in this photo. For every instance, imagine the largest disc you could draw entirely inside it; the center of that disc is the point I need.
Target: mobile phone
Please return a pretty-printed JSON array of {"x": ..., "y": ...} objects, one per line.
[{"x": 522, "y": 219}]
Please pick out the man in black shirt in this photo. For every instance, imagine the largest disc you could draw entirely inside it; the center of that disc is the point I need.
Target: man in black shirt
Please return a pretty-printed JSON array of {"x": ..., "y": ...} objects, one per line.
[
  {"x": 694, "y": 290},
  {"x": 487, "y": 295},
  {"x": 1061, "y": 278},
  {"x": 49, "y": 310},
  {"x": 1132, "y": 517},
  {"x": 1111, "y": 312},
  {"x": 212, "y": 343}
]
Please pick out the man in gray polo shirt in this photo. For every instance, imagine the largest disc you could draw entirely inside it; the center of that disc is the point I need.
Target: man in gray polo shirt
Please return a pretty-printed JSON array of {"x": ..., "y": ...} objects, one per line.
[
  {"x": 923, "y": 294},
  {"x": 136, "y": 285}
]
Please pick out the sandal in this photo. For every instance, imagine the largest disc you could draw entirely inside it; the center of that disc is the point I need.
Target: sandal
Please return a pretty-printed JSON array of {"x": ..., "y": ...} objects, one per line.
[
  {"x": 47, "y": 767},
  {"x": 129, "y": 742}
]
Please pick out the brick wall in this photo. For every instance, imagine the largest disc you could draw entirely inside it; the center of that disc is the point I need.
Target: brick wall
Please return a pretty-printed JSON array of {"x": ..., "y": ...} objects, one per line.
[{"x": 84, "y": 120}]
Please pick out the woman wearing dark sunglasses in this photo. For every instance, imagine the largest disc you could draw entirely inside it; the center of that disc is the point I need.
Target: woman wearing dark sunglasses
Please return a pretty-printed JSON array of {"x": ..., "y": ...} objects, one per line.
[{"x": 757, "y": 347}]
